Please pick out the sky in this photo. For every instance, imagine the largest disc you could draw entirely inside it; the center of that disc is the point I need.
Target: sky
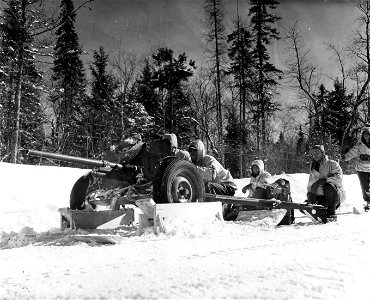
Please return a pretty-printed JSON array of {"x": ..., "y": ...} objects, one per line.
[
  {"x": 142, "y": 24},
  {"x": 233, "y": 260}
]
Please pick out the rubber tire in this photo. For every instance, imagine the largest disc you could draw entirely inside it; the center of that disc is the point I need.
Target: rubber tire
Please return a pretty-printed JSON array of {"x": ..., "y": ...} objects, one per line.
[
  {"x": 172, "y": 173},
  {"x": 79, "y": 192}
]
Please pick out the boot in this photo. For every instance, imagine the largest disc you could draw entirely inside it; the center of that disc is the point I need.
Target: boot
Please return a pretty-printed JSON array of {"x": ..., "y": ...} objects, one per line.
[
  {"x": 367, "y": 206},
  {"x": 331, "y": 218}
]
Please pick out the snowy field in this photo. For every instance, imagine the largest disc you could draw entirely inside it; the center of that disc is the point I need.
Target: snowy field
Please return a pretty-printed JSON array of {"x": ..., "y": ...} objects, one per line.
[{"x": 220, "y": 260}]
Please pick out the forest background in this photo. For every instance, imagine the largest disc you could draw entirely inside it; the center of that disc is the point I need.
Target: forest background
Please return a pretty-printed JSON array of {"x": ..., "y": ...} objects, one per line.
[{"x": 252, "y": 79}]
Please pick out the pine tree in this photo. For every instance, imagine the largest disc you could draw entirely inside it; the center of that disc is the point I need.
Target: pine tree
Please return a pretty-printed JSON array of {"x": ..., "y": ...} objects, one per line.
[
  {"x": 135, "y": 118},
  {"x": 242, "y": 63},
  {"x": 233, "y": 138},
  {"x": 69, "y": 84},
  {"x": 21, "y": 114},
  {"x": 319, "y": 132},
  {"x": 101, "y": 109},
  {"x": 169, "y": 75},
  {"x": 301, "y": 147},
  {"x": 145, "y": 94},
  {"x": 140, "y": 107},
  {"x": 263, "y": 32},
  {"x": 337, "y": 112},
  {"x": 216, "y": 49},
  {"x": 161, "y": 91},
  {"x": 242, "y": 69}
]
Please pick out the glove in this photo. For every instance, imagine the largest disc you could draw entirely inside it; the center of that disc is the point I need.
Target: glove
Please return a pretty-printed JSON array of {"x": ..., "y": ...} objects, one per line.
[
  {"x": 311, "y": 199},
  {"x": 247, "y": 187}
]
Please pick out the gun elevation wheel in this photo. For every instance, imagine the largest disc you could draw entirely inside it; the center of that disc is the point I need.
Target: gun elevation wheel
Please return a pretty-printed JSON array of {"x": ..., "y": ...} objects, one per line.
[{"x": 177, "y": 181}]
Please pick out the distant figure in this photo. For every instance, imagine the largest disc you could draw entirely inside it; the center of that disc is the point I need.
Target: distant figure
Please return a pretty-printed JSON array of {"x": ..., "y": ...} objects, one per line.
[
  {"x": 325, "y": 185},
  {"x": 217, "y": 179},
  {"x": 260, "y": 180},
  {"x": 182, "y": 154},
  {"x": 362, "y": 150}
]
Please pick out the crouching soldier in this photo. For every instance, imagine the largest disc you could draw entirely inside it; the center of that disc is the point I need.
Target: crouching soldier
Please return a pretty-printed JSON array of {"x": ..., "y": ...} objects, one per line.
[
  {"x": 217, "y": 180},
  {"x": 182, "y": 154},
  {"x": 362, "y": 151},
  {"x": 260, "y": 180},
  {"x": 325, "y": 185}
]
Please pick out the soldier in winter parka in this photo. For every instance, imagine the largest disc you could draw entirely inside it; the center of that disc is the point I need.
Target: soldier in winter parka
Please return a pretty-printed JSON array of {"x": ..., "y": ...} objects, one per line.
[
  {"x": 325, "y": 186},
  {"x": 182, "y": 154},
  {"x": 362, "y": 150},
  {"x": 260, "y": 180},
  {"x": 217, "y": 180}
]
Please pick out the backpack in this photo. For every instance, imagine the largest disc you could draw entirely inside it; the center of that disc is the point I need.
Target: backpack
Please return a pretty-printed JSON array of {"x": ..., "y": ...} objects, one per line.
[{"x": 280, "y": 190}]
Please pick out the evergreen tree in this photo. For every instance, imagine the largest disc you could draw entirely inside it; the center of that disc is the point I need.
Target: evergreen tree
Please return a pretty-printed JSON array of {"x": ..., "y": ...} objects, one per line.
[
  {"x": 233, "y": 138},
  {"x": 282, "y": 157},
  {"x": 21, "y": 115},
  {"x": 169, "y": 75},
  {"x": 136, "y": 119},
  {"x": 104, "y": 84},
  {"x": 319, "y": 131},
  {"x": 216, "y": 48},
  {"x": 69, "y": 84},
  {"x": 242, "y": 69},
  {"x": 101, "y": 109},
  {"x": 337, "y": 112},
  {"x": 161, "y": 91},
  {"x": 301, "y": 147},
  {"x": 263, "y": 32},
  {"x": 241, "y": 63},
  {"x": 145, "y": 94}
]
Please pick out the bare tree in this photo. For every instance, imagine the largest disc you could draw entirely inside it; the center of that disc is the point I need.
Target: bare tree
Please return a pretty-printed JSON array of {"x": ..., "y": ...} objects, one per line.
[
  {"x": 340, "y": 59},
  {"x": 303, "y": 75},
  {"x": 125, "y": 66},
  {"x": 216, "y": 48},
  {"x": 360, "y": 52},
  {"x": 202, "y": 93},
  {"x": 306, "y": 77}
]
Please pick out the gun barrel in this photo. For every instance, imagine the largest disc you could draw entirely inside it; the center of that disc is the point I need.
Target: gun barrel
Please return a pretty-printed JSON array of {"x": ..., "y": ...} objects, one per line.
[{"x": 74, "y": 159}]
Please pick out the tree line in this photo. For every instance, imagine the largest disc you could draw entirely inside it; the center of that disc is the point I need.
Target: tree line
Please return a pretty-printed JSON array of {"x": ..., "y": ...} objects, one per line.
[{"x": 51, "y": 100}]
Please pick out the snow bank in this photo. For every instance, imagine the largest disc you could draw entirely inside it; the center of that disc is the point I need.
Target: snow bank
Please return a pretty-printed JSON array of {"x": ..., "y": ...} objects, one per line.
[
  {"x": 233, "y": 260},
  {"x": 31, "y": 196}
]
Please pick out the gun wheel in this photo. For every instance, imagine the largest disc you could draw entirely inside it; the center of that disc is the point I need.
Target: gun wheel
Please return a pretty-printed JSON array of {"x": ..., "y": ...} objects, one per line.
[
  {"x": 177, "y": 181},
  {"x": 79, "y": 192}
]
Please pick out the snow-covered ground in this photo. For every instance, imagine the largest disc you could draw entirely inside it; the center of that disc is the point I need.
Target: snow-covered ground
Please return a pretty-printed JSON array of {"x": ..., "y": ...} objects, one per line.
[{"x": 221, "y": 260}]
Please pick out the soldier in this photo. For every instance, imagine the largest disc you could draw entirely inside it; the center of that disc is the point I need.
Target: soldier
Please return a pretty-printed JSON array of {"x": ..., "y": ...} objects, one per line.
[
  {"x": 260, "y": 180},
  {"x": 182, "y": 154},
  {"x": 217, "y": 179},
  {"x": 325, "y": 185},
  {"x": 362, "y": 150}
]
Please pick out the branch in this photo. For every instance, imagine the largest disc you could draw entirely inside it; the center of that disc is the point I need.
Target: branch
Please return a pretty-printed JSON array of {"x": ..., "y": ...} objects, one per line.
[{"x": 57, "y": 22}]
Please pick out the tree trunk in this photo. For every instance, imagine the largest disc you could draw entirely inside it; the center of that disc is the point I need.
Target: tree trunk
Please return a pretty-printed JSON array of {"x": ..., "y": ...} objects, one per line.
[
  {"x": 18, "y": 90},
  {"x": 17, "y": 115},
  {"x": 218, "y": 88}
]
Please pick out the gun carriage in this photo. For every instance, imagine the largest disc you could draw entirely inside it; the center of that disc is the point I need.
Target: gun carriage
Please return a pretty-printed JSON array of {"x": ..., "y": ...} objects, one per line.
[{"x": 149, "y": 170}]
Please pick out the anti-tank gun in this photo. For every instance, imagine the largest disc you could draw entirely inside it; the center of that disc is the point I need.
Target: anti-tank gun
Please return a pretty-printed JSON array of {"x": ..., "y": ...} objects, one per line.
[
  {"x": 151, "y": 169},
  {"x": 147, "y": 168},
  {"x": 109, "y": 173},
  {"x": 103, "y": 166}
]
